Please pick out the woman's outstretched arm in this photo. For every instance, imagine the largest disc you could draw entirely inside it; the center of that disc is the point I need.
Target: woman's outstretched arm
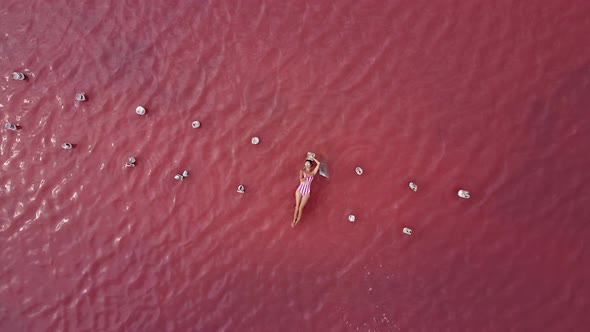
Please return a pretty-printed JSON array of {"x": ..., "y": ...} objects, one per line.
[{"x": 317, "y": 166}]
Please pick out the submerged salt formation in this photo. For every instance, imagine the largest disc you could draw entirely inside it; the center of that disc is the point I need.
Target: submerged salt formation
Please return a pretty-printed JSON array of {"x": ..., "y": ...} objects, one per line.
[
  {"x": 130, "y": 162},
  {"x": 463, "y": 194},
  {"x": 18, "y": 76},
  {"x": 10, "y": 126},
  {"x": 140, "y": 110}
]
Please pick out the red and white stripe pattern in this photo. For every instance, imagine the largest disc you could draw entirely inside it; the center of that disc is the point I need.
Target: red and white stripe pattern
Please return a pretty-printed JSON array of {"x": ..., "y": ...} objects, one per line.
[{"x": 305, "y": 189}]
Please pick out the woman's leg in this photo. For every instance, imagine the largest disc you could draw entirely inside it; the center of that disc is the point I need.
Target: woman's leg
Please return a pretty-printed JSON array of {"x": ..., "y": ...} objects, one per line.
[
  {"x": 297, "y": 202},
  {"x": 301, "y": 205}
]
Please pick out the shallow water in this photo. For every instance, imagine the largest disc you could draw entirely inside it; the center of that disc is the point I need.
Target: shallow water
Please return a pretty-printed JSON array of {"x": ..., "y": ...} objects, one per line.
[{"x": 488, "y": 96}]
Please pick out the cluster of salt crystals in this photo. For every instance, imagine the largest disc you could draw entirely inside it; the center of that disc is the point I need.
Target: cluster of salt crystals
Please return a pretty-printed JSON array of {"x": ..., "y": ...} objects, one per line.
[
  {"x": 130, "y": 162},
  {"x": 140, "y": 110},
  {"x": 18, "y": 76},
  {"x": 406, "y": 230},
  {"x": 10, "y": 126},
  {"x": 463, "y": 194},
  {"x": 181, "y": 176}
]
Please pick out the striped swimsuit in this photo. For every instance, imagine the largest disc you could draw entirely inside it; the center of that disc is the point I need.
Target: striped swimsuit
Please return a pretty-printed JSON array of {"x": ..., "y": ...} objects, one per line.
[{"x": 305, "y": 189}]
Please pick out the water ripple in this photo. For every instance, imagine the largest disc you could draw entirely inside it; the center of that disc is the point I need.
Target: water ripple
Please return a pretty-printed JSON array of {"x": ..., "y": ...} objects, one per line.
[{"x": 449, "y": 95}]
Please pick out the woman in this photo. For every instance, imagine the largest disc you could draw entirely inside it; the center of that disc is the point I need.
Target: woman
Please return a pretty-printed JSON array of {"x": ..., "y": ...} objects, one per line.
[{"x": 304, "y": 190}]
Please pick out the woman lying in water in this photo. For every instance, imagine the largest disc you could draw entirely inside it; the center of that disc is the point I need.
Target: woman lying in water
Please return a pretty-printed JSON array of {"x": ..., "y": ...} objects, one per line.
[{"x": 304, "y": 190}]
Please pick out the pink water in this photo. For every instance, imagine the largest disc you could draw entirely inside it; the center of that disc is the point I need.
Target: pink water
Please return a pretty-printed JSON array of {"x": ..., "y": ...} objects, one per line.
[{"x": 490, "y": 96}]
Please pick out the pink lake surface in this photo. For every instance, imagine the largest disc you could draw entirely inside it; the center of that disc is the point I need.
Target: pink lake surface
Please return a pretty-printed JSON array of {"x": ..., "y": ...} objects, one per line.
[{"x": 488, "y": 96}]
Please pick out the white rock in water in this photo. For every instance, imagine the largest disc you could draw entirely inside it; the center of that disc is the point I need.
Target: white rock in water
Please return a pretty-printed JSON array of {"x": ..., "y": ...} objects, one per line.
[
  {"x": 413, "y": 186},
  {"x": 18, "y": 76},
  {"x": 10, "y": 126},
  {"x": 241, "y": 189},
  {"x": 196, "y": 124},
  {"x": 67, "y": 146},
  {"x": 80, "y": 96},
  {"x": 140, "y": 110},
  {"x": 255, "y": 140},
  {"x": 184, "y": 173},
  {"x": 407, "y": 231},
  {"x": 351, "y": 218},
  {"x": 178, "y": 177},
  {"x": 358, "y": 170},
  {"x": 463, "y": 194},
  {"x": 130, "y": 162}
]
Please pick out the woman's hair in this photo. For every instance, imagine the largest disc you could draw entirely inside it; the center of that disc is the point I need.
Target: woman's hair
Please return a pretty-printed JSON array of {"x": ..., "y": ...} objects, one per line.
[{"x": 310, "y": 161}]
